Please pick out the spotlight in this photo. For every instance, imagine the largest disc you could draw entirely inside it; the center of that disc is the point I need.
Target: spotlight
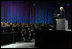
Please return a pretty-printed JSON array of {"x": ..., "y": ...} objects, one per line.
[
  {"x": 68, "y": 4},
  {"x": 34, "y": 4}
]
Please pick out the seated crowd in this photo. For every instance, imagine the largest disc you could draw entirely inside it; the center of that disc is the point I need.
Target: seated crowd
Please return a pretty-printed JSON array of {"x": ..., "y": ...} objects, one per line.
[{"x": 27, "y": 31}]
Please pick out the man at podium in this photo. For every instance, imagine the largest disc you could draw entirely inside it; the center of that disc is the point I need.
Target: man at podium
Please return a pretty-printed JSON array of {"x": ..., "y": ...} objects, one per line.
[
  {"x": 62, "y": 13},
  {"x": 59, "y": 19}
]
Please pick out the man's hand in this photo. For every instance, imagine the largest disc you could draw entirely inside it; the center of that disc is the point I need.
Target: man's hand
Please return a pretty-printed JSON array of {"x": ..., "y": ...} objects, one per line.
[{"x": 58, "y": 14}]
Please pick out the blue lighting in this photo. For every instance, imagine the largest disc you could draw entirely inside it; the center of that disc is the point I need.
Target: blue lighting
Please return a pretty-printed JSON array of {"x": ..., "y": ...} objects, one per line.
[
  {"x": 68, "y": 4},
  {"x": 34, "y": 4}
]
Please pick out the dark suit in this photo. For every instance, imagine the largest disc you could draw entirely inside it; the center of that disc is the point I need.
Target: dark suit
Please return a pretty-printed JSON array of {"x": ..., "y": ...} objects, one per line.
[{"x": 62, "y": 14}]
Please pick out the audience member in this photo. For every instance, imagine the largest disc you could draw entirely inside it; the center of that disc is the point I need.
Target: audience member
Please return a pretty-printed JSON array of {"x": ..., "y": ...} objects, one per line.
[{"x": 26, "y": 31}]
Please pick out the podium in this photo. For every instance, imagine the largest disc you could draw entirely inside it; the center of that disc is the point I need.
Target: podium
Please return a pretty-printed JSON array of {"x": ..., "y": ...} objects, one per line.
[
  {"x": 66, "y": 25},
  {"x": 60, "y": 23}
]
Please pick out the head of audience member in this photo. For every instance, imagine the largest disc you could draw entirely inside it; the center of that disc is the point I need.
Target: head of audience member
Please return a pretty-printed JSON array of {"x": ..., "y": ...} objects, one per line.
[
  {"x": 46, "y": 25},
  {"x": 20, "y": 24},
  {"x": 42, "y": 24},
  {"x": 11, "y": 24},
  {"x": 23, "y": 29},
  {"x": 36, "y": 26},
  {"x": 1, "y": 24},
  {"x": 7, "y": 25},
  {"x": 4, "y": 24},
  {"x": 23, "y": 24},
  {"x": 31, "y": 26},
  {"x": 27, "y": 25},
  {"x": 17, "y": 24}
]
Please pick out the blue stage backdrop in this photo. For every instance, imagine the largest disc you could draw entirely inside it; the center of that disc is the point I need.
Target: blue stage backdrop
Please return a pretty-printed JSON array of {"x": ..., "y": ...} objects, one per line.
[
  {"x": 20, "y": 12},
  {"x": 30, "y": 12}
]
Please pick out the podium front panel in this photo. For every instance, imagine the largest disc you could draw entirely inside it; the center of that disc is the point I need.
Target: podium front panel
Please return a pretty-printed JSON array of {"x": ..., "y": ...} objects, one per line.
[{"x": 60, "y": 24}]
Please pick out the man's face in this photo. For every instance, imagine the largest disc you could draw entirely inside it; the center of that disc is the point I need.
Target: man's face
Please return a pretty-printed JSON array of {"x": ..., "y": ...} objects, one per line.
[{"x": 61, "y": 8}]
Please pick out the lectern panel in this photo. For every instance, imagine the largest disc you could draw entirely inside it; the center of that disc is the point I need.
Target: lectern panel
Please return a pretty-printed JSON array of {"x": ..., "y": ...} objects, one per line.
[{"x": 60, "y": 24}]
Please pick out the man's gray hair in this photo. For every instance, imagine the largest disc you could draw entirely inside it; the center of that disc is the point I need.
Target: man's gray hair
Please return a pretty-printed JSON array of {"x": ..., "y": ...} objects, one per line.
[{"x": 61, "y": 7}]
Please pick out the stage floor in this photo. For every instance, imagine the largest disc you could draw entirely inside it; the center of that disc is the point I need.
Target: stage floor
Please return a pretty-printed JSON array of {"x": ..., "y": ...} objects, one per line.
[
  {"x": 23, "y": 44},
  {"x": 68, "y": 29},
  {"x": 20, "y": 45}
]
